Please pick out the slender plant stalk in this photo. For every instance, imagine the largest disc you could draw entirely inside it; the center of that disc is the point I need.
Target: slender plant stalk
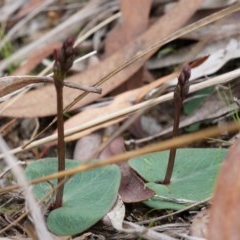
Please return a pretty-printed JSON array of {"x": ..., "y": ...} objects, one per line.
[
  {"x": 64, "y": 58},
  {"x": 180, "y": 94},
  {"x": 61, "y": 143}
]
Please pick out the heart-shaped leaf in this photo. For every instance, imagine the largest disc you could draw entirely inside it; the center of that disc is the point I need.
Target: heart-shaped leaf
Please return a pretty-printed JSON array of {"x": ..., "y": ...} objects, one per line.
[
  {"x": 193, "y": 176},
  {"x": 88, "y": 196}
]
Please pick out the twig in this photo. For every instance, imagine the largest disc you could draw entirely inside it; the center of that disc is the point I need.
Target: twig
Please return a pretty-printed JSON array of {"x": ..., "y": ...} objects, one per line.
[{"x": 13, "y": 83}]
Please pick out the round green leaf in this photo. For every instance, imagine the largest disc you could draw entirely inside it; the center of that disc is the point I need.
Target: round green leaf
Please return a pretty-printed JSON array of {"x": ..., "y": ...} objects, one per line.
[
  {"x": 193, "y": 176},
  {"x": 88, "y": 196}
]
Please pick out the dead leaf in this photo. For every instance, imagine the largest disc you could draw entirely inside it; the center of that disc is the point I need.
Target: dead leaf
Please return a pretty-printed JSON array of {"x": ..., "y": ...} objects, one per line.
[
  {"x": 86, "y": 146},
  {"x": 200, "y": 222},
  {"x": 116, "y": 215},
  {"x": 26, "y": 9},
  {"x": 133, "y": 188},
  {"x": 121, "y": 101},
  {"x": 223, "y": 29},
  {"x": 34, "y": 104},
  {"x": 35, "y": 58},
  {"x": 113, "y": 148},
  {"x": 224, "y": 214},
  {"x": 217, "y": 3},
  {"x": 134, "y": 22}
]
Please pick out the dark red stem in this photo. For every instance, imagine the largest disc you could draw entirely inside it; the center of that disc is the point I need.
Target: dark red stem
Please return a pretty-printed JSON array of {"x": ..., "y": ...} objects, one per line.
[
  {"x": 61, "y": 143},
  {"x": 172, "y": 153},
  {"x": 64, "y": 58},
  {"x": 180, "y": 94}
]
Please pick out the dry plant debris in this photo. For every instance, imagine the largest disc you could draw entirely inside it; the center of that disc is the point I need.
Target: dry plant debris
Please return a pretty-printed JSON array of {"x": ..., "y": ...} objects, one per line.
[{"x": 136, "y": 50}]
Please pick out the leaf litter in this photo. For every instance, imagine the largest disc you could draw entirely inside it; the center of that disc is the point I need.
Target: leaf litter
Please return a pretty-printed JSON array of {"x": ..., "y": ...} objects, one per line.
[{"x": 120, "y": 41}]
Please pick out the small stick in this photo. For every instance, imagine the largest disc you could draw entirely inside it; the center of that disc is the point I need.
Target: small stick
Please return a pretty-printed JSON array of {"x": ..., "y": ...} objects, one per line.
[
  {"x": 180, "y": 94},
  {"x": 9, "y": 85}
]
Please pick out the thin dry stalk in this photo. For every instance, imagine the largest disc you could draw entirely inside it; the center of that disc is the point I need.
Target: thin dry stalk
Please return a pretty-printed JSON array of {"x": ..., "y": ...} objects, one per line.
[
  {"x": 147, "y": 233},
  {"x": 164, "y": 145},
  {"x": 12, "y": 83},
  {"x": 224, "y": 78},
  {"x": 18, "y": 173}
]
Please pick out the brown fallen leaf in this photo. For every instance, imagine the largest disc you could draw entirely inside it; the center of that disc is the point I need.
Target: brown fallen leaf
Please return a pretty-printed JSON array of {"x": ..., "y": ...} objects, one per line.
[
  {"x": 35, "y": 58},
  {"x": 134, "y": 23},
  {"x": 26, "y": 9},
  {"x": 34, "y": 104},
  {"x": 133, "y": 188},
  {"x": 224, "y": 214},
  {"x": 121, "y": 101}
]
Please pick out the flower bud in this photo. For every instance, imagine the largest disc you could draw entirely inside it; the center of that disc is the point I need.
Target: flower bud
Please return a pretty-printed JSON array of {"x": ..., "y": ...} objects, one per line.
[
  {"x": 183, "y": 82},
  {"x": 64, "y": 58}
]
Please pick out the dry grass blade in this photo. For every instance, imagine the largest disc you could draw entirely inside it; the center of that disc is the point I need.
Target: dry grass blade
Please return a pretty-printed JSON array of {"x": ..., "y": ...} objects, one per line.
[
  {"x": 60, "y": 32},
  {"x": 166, "y": 22},
  {"x": 133, "y": 50},
  {"x": 13, "y": 30},
  {"x": 35, "y": 211},
  {"x": 95, "y": 75},
  {"x": 224, "y": 78},
  {"x": 164, "y": 145},
  {"x": 84, "y": 37},
  {"x": 175, "y": 35},
  {"x": 194, "y": 205},
  {"x": 9, "y": 9},
  {"x": 141, "y": 231},
  {"x": 137, "y": 55}
]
